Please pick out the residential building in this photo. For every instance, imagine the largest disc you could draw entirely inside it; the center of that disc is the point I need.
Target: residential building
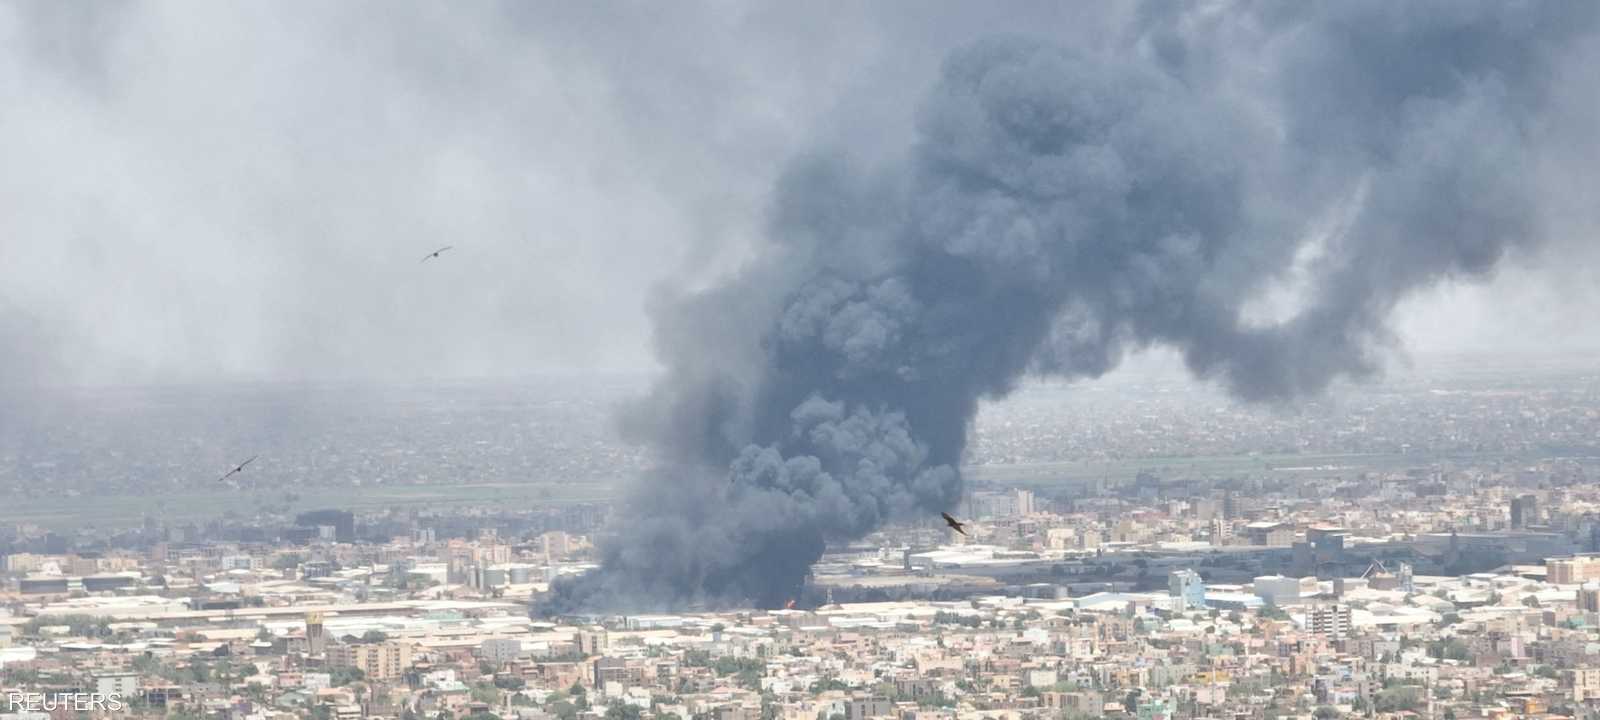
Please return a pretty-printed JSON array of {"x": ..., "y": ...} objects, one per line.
[
  {"x": 380, "y": 661},
  {"x": 1330, "y": 621},
  {"x": 1573, "y": 570}
]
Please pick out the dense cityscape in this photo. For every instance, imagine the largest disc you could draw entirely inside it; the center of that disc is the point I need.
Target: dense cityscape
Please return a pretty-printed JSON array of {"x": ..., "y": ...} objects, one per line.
[
  {"x": 709, "y": 360},
  {"x": 1130, "y": 554}
]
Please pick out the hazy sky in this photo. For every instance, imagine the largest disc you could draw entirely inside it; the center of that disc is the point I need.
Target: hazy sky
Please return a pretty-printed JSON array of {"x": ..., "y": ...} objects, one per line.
[{"x": 214, "y": 191}]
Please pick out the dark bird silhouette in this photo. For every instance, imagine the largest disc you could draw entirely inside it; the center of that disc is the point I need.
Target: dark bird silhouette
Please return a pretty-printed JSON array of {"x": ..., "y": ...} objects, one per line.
[
  {"x": 436, "y": 253},
  {"x": 238, "y": 469},
  {"x": 954, "y": 524}
]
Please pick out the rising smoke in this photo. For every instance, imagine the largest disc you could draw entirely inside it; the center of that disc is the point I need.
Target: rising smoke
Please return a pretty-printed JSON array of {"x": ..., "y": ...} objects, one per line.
[{"x": 1060, "y": 208}]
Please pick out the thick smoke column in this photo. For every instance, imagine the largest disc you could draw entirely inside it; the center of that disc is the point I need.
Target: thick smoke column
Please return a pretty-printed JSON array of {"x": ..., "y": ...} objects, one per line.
[{"x": 1060, "y": 208}]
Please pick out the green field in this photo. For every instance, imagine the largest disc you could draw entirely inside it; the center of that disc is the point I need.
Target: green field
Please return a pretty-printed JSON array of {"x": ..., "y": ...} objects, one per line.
[
  {"x": 124, "y": 510},
  {"x": 213, "y": 502},
  {"x": 1045, "y": 475}
]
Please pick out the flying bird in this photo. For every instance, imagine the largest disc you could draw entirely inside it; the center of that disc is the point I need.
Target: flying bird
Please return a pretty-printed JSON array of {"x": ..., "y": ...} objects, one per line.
[
  {"x": 238, "y": 469},
  {"x": 436, "y": 253},
  {"x": 954, "y": 524}
]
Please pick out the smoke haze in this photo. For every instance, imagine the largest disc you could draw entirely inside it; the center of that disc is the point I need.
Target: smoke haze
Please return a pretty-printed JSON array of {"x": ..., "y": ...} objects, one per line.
[{"x": 1258, "y": 189}]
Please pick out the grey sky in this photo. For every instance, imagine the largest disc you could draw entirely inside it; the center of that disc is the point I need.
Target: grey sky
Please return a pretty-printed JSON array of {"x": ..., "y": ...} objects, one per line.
[{"x": 205, "y": 191}]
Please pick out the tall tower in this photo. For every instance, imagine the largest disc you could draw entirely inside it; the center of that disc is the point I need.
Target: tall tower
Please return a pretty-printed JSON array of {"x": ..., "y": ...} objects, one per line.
[
  {"x": 1524, "y": 511},
  {"x": 316, "y": 637}
]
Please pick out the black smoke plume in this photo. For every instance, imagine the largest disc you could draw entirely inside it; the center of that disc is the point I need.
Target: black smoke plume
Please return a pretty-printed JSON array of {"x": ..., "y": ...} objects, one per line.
[{"x": 1060, "y": 208}]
